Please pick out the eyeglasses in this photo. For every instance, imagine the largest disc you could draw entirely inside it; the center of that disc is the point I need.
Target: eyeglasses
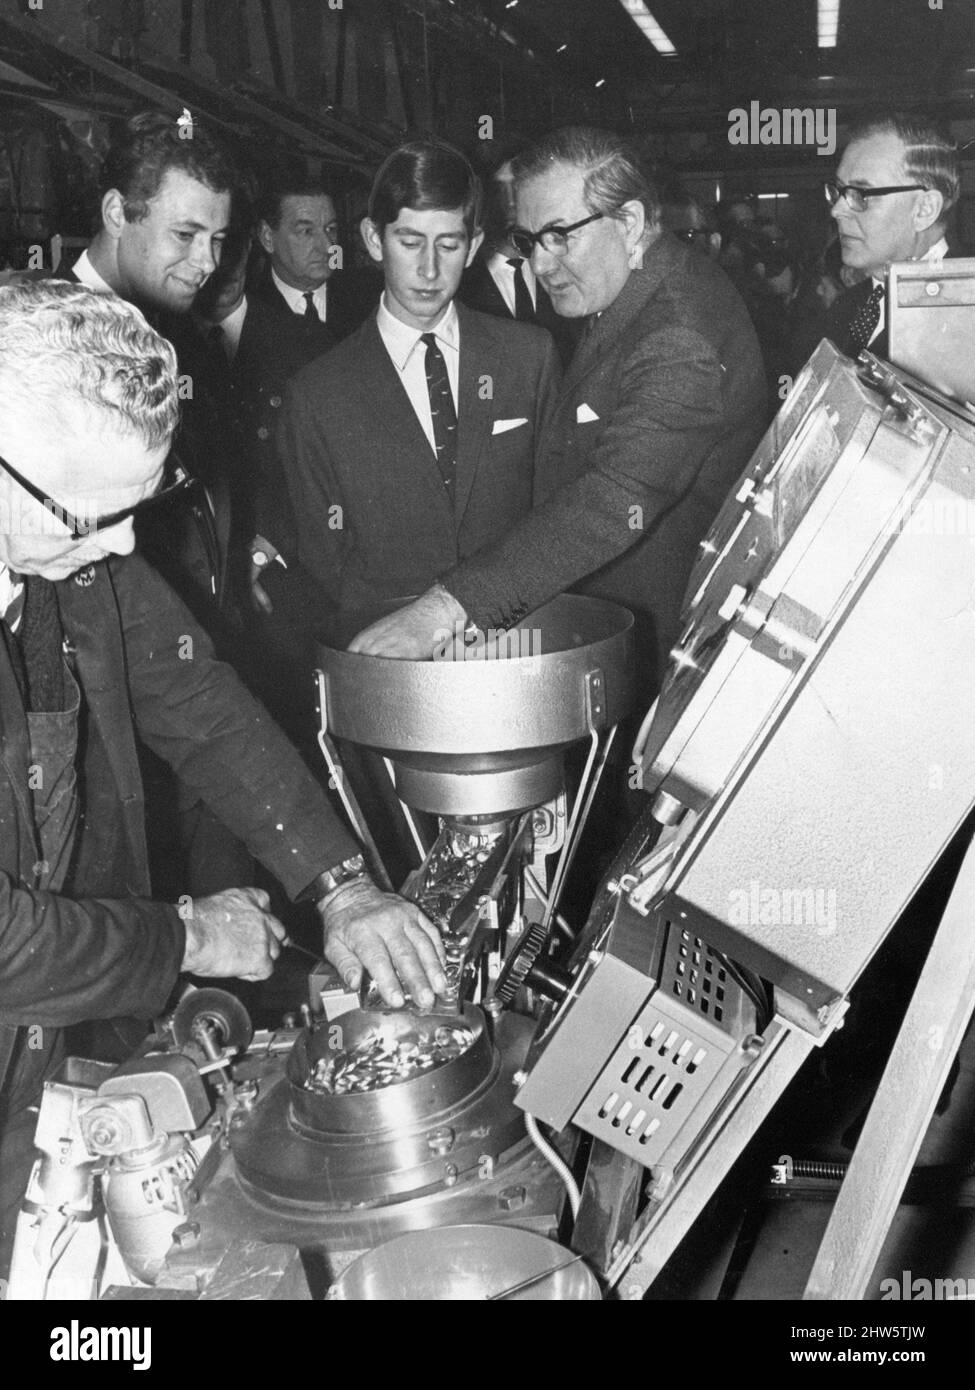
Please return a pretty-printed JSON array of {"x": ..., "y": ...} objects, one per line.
[
  {"x": 856, "y": 198},
  {"x": 689, "y": 233},
  {"x": 555, "y": 240},
  {"x": 178, "y": 481}
]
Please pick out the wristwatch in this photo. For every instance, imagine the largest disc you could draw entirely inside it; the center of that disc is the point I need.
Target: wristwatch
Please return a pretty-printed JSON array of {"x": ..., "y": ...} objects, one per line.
[
  {"x": 333, "y": 878},
  {"x": 260, "y": 558}
]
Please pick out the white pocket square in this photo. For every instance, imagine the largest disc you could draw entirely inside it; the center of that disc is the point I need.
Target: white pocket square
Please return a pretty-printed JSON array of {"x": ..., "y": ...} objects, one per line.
[
  {"x": 585, "y": 413},
  {"x": 503, "y": 426}
]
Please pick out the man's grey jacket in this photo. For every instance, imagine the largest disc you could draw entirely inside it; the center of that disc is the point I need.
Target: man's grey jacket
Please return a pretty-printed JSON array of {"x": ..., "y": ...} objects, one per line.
[{"x": 659, "y": 412}]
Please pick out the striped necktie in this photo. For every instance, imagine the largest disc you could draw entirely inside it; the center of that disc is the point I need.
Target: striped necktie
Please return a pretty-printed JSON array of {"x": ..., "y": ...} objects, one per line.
[{"x": 443, "y": 412}]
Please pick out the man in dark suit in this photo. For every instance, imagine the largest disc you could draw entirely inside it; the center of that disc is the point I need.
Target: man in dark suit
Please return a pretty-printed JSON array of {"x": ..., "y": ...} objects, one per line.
[
  {"x": 412, "y": 444},
  {"x": 895, "y": 186},
  {"x": 659, "y": 411},
  {"x": 165, "y": 214},
  {"x": 295, "y": 312},
  {"x": 298, "y": 230},
  {"x": 500, "y": 282}
]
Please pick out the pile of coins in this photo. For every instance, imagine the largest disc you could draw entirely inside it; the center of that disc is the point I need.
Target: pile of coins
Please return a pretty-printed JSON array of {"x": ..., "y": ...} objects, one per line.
[
  {"x": 451, "y": 872},
  {"x": 379, "y": 1060}
]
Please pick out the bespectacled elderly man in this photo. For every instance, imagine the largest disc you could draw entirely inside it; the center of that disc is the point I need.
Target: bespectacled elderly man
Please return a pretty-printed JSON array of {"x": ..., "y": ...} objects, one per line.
[
  {"x": 660, "y": 409},
  {"x": 897, "y": 182},
  {"x": 95, "y": 652}
]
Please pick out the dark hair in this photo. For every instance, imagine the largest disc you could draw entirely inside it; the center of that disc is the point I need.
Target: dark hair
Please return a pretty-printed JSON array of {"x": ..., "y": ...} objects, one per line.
[
  {"x": 425, "y": 175},
  {"x": 281, "y": 184},
  {"x": 930, "y": 150},
  {"x": 148, "y": 147},
  {"x": 613, "y": 171}
]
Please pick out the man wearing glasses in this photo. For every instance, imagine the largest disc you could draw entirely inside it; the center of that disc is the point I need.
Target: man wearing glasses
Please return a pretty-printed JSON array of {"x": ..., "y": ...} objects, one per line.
[
  {"x": 95, "y": 652},
  {"x": 897, "y": 182},
  {"x": 660, "y": 409}
]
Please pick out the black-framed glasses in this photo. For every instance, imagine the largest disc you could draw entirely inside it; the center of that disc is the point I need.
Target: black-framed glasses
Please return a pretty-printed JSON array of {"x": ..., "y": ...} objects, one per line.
[
  {"x": 175, "y": 479},
  {"x": 689, "y": 233},
  {"x": 856, "y": 198},
  {"x": 555, "y": 240}
]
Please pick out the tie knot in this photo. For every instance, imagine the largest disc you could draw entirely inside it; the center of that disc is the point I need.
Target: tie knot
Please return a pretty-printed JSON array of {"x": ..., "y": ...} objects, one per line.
[
  {"x": 429, "y": 338},
  {"x": 516, "y": 262}
]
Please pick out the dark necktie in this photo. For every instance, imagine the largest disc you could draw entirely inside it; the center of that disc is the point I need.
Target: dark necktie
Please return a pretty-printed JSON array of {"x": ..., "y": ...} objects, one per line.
[
  {"x": 865, "y": 320},
  {"x": 443, "y": 412},
  {"x": 41, "y": 639},
  {"x": 524, "y": 309},
  {"x": 219, "y": 339},
  {"x": 311, "y": 312}
]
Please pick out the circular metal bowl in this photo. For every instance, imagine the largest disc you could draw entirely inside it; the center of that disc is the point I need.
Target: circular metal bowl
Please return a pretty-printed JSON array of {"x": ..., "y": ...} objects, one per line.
[
  {"x": 458, "y": 1263},
  {"x": 484, "y": 735},
  {"x": 398, "y": 1106},
  {"x": 500, "y": 704}
]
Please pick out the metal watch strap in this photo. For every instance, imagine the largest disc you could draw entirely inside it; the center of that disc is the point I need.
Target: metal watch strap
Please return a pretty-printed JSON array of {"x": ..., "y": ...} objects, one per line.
[{"x": 333, "y": 878}]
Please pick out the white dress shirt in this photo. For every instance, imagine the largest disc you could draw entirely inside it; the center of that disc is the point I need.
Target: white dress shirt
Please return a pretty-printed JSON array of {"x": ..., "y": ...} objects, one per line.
[
  {"x": 295, "y": 299},
  {"x": 11, "y": 588},
  {"x": 409, "y": 356},
  {"x": 503, "y": 276},
  {"x": 937, "y": 252},
  {"x": 89, "y": 276}
]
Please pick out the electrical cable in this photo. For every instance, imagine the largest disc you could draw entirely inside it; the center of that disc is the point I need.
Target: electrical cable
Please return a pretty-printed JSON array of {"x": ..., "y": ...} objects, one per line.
[{"x": 557, "y": 1162}]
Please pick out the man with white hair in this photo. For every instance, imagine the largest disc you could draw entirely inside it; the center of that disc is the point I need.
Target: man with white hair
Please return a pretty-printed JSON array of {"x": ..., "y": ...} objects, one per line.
[{"x": 95, "y": 651}]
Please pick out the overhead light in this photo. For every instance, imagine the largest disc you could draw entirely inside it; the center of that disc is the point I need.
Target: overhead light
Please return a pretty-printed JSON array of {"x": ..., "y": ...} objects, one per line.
[
  {"x": 601, "y": 82},
  {"x": 561, "y": 48},
  {"x": 825, "y": 78},
  {"x": 511, "y": 4},
  {"x": 828, "y": 22},
  {"x": 646, "y": 23}
]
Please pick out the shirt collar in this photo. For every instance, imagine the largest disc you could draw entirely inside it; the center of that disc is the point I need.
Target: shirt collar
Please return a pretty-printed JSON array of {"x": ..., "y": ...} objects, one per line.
[
  {"x": 295, "y": 299},
  {"x": 11, "y": 588},
  {"x": 231, "y": 324},
  {"x": 89, "y": 276},
  {"x": 497, "y": 260},
  {"x": 400, "y": 339}
]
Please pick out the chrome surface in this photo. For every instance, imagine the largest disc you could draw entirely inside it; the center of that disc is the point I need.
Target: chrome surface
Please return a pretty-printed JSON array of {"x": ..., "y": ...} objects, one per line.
[
  {"x": 482, "y": 735},
  {"x": 474, "y": 1263}
]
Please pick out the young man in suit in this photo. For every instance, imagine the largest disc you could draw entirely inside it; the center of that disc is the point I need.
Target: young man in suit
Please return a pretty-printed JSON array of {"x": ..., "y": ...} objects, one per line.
[
  {"x": 165, "y": 214},
  {"x": 895, "y": 186},
  {"x": 412, "y": 444},
  {"x": 660, "y": 410}
]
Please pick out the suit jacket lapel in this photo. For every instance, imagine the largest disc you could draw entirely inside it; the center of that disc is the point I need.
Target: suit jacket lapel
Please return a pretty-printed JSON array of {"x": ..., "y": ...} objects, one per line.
[
  {"x": 384, "y": 399},
  {"x": 639, "y": 288},
  {"x": 475, "y": 413}
]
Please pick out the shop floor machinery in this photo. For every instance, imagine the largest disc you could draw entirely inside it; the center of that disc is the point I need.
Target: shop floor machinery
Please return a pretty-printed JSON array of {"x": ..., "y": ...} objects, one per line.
[{"x": 808, "y": 759}]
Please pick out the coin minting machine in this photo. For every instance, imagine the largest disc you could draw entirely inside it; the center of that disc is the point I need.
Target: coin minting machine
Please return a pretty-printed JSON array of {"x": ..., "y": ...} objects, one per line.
[{"x": 805, "y": 764}]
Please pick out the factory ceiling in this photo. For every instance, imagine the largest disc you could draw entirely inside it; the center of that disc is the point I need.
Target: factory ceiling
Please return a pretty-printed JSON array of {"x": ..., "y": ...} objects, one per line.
[{"x": 729, "y": 52}]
